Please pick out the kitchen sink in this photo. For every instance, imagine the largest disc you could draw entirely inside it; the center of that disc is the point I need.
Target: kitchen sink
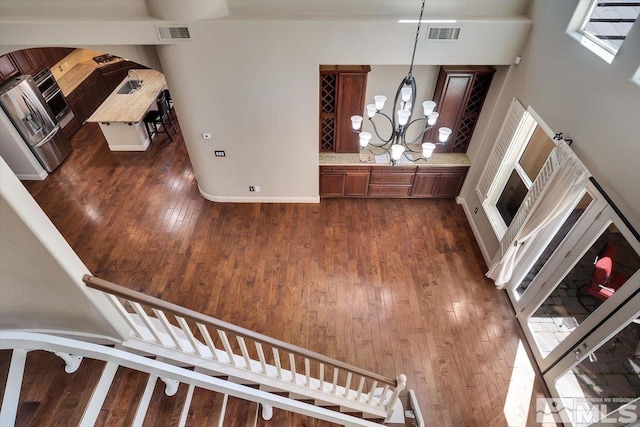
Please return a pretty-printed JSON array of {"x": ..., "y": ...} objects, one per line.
[{"x": 129, "y": 87}]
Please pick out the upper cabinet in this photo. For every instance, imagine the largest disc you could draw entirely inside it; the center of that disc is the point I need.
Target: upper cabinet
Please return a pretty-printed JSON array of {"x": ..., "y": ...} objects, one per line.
[
  {"x": 30, "y": 61},
  {"x": 460, "y": 93},
  {"x": 342, "y": 95}
]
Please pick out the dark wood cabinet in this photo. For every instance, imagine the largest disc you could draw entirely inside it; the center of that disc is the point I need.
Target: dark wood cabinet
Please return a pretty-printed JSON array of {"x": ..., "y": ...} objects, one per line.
[
  {"x": 7, "y": 68},
  {"x": 346, "y": 181},
  {"x": 88, "y": 96},
  {"x": 438, "y": 181},
  {"x": 460, "y": 93},
  {"x": 391, "y": 181},
  {"x": 56, "y": 54},
  {"x": 23, "y": 62},
  {"x": 342, "y": 95}
]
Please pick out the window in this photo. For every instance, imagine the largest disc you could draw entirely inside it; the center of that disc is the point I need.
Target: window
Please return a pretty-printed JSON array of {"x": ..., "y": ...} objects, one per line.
[
  {"x": 602, "y": 25},
  {"x": 521, "y": 149},
  {"x": 523, "y": 173}
]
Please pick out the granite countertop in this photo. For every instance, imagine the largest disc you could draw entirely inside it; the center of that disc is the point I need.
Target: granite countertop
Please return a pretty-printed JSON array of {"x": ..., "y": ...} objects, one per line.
[
  {"x": 77, "y": 66},
  {"x": 130, "y": 108},
  {"x": 437, "y": 159}
]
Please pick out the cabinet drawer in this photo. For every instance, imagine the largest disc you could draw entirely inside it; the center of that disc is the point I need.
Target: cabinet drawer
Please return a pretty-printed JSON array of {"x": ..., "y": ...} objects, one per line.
[
  {"x": 391, "y": 178},
  {"x": 389, "y": 190},
  {"x": 394, "y": 169},
  {"x": 446, "y": 169},
  {"x": 343, "y": 169}
]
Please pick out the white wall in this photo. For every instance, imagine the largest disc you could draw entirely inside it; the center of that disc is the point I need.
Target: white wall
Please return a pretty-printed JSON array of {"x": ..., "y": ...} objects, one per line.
[
  {"x": 41, "y": 288},
  {"x": 574, "y": 92},
  {"x": 255, "y": 88},
  {"x": 254, "y": 84}
]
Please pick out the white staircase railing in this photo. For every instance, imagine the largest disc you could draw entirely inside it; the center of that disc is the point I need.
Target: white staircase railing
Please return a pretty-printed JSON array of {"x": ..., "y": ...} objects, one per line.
[{"x": 189, "y": 338}]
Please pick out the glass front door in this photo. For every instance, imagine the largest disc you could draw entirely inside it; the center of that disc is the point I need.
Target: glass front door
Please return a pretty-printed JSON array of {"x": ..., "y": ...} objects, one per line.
[{"x": 586, "y": 287}]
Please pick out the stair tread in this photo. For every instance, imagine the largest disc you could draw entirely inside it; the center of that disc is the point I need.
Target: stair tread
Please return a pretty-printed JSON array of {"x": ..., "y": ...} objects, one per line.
[{"x": 206, "y": 408}]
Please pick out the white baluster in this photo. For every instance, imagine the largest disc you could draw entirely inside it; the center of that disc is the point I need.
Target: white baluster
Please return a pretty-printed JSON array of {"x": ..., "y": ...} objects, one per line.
[
  {"x": 307, "y": 372},
  {"x": 335, "y": 381},
  {"x": 169, "y": 328},
  {"x": 263, "y": 361},
  {"x": 207, "y": 339},
  {"x": 126, "y": 316},
  {"x": 292, "y": 367},
  {"x": 347, "y": 386},
  {"x": 276, "y": 358},
  {"x": 321, "y": 388},
  {"x": 146, "y": 320},
  {"x": 227, "y": 346},
  {"x": 360, "y": 387},
  {"x": 384, "y": 393},
  {"x": 245, "y": 353},
  {"x": 373, "y": 390},
  {"x": 187, "y": 331}
]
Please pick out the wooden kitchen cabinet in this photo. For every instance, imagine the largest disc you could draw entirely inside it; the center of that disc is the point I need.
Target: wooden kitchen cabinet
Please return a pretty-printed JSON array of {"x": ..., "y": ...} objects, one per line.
[
  {"x": 342, "y": 95},
  {"x": 392, "y": 181},
  {"x": 346, "y": 181},
  {"x": 88, "y": 96},
  {"x": 7, "y": 68},
  {"x": 439, "y": 182},
  {"x": 29, "y": 61},
  {"x": 460, "y": 93}
]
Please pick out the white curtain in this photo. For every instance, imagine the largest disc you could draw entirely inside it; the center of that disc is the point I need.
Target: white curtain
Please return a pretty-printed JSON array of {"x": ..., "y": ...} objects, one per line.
[{"x": 559, "y": 198}]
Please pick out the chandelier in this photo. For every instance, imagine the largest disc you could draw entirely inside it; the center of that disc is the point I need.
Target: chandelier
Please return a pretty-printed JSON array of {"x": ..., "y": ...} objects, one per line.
[{"x": 396, "y": 145}]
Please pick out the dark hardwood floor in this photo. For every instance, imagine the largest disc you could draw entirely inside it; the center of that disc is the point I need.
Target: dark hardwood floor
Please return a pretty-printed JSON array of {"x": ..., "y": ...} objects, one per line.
[{"x": 394, "y": 286}]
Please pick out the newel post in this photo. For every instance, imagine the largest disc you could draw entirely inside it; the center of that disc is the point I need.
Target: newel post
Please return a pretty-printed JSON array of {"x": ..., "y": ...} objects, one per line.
[{"x": 401, "y": 384}]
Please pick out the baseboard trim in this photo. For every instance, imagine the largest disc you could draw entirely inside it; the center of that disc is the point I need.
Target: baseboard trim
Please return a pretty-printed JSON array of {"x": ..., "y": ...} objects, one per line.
[
  {"x": 485, "y": 253},
  {"x": 32, "y": 176},
  {"x": 258, "y": 199}
]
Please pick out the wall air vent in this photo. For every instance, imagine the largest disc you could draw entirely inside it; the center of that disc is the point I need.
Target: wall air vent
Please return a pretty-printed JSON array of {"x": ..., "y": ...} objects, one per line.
[
  {"x": 173, "y": 33},
  {"x": 443, "y": 33}
]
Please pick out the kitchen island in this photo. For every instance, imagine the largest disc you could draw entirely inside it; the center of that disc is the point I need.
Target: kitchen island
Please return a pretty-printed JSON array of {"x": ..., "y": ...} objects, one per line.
[{"x": 120, "y": 115}]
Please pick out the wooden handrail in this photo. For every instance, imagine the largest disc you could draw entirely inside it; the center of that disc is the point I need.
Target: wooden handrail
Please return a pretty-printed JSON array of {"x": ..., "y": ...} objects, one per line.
[{"x": 131, "y": 295}]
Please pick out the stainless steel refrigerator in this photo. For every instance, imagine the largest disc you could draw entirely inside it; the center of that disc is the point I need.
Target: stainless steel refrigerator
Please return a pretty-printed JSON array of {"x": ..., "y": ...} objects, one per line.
[{"x": 34, "y": 121}]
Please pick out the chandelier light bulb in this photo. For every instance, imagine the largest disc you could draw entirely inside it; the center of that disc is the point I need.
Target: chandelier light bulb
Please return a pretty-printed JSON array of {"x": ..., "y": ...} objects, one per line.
[
  {"x": 365, "y": 137},
  {"x": 406, "y": 93},
  {"x": 356, "y": 122},
  {"x": 371, "y": 110},
  {"x": 428, "y": 107},
  {"x": 403, "y": 117},
  {"x": 396, "y": 151},
  {"x": 406, "y": 106},
  {"x": 379, "y": 100},
  {"x": 433, "y": 118},
  {"x": 443, "y": 134},
  {"x": 427, "y": 149}
]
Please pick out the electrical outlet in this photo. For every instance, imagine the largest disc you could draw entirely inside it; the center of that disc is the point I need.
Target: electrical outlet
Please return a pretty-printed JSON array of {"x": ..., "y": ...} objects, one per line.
[
  {"x": 206, "y": 136},
  {"x": 257, "y": 188},
  {"x": 219, "y": 153},
  {"x": 252, "y": 188},
  {"x": 475, "y": 211}
]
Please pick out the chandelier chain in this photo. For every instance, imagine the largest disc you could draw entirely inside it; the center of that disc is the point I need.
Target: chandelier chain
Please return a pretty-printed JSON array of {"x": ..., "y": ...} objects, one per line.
[{"x": 415, "y": 44}]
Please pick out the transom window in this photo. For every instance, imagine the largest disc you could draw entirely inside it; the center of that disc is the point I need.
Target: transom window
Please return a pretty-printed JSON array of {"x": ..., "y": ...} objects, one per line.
[{"x": 605, "y": 25}]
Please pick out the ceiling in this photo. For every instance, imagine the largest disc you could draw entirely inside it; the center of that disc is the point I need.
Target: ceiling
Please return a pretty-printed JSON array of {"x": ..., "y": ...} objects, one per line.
[{"x": 267, "y": 9}]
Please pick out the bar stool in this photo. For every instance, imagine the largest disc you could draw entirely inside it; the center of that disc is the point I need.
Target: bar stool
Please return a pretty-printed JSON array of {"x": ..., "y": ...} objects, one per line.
[
  {"x": 155, "y": 120},
  {"x": 167, "y": 96}
]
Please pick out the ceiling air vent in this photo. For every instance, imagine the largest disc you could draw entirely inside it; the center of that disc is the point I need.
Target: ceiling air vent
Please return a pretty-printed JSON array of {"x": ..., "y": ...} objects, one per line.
[
  {"x": 443, "y": 33},
  {"x": 173, "y": 33}
]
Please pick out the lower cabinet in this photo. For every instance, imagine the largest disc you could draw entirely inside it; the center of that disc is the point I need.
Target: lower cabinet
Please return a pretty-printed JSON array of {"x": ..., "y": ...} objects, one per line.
[
  {"x": 87, "y": 97},
  {"x": 438, "y": 182},
  {"x": 391, "y": 181},
  {"x": 344, "y": 181}
]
